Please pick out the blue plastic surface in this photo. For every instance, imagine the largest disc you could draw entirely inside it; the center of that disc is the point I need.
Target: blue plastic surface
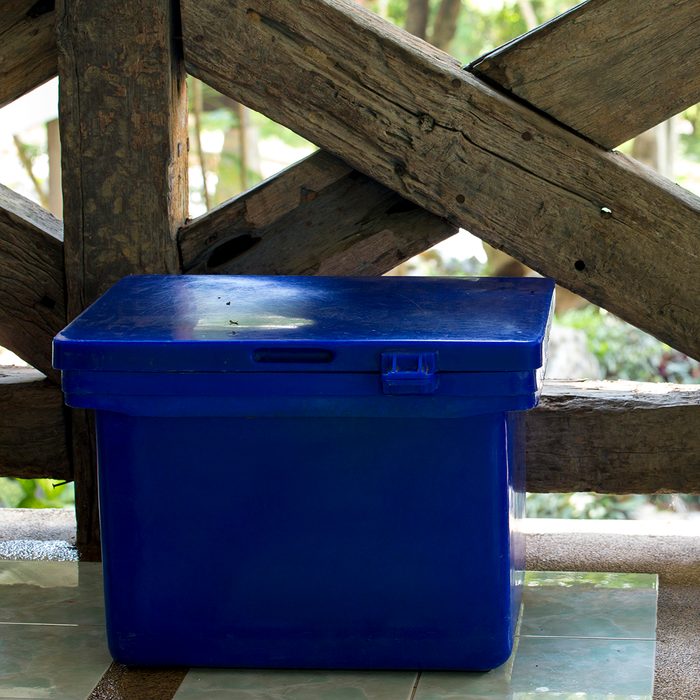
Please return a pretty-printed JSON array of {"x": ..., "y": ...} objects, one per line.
[
  {"x": 352, "y": 503},
  {"x": 314, "y": 324}
]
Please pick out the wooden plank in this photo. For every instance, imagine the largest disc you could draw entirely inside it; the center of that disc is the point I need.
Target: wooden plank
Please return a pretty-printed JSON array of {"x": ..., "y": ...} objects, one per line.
[
  {"x": 32, "y": 306},
  {"x": 610, "y": 69},
  {"x": 32, "y": 431},
  {"x": 615, "y": 437},
  {"x": 316, "y": 217},
  {"x": 27, "y": 47},
  {"x": 408, "y": 115},
  {"x": 123, "y": 118}
]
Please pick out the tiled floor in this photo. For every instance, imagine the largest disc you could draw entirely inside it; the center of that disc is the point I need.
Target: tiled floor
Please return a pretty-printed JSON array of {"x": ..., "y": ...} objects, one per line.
[
  {"x": 52, "y": 639},
  {"x": 582, "y": 636}
]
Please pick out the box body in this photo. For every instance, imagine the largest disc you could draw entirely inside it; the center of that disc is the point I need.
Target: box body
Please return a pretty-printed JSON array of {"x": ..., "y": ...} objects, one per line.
[
  {"x": 310, "y": 519},
  {"x": 310, "y": 542}
]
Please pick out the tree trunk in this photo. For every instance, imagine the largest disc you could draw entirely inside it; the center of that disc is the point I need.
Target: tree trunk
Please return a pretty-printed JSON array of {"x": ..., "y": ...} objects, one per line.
[
  {"x": 55, "y": 194},
  {"x": 528, "y": 13},
  {"x": 417, "y": 17},
  {"x": 445, "y": 25}
]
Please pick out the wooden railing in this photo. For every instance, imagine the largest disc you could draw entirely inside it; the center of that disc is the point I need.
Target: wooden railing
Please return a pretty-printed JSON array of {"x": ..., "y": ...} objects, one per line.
[{"x": 513, "y": 149}]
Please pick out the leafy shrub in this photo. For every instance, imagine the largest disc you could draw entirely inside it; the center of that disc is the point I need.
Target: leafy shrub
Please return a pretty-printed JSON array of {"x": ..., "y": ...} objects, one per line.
[{"x": 35, "y": 493}]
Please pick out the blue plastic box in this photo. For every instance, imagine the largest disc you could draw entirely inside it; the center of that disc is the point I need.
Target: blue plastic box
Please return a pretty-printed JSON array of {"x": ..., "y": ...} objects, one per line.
[{"x": 308, "y": 472}]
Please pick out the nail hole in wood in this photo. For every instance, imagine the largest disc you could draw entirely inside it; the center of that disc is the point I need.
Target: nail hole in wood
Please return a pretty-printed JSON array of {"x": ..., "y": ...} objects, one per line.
[{"x": 47, "y": 302}]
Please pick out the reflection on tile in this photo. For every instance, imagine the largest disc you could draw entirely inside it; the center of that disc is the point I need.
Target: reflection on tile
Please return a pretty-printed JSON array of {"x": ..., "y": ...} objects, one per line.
[
  {"x": 51, "y": 592},
  {"x": 550, "y": 667},
  {"x": 560, "y": 653},
  {"x": 617, "y": 606},
  {"x": 59, "y": 662},
  {"x": 618, "y": 667},
  {"x": 584, "y": 636},
  {"x": 215, "y": 684},
  {"x": 581, "y": 579}
]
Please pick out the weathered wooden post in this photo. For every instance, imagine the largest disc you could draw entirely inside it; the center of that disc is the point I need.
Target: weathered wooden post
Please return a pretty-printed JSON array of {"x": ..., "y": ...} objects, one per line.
[{"x": 123, "y": 114}]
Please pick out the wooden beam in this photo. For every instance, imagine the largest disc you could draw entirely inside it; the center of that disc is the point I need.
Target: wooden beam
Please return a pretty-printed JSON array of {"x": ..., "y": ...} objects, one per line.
[
  {"x": 317, "y": 217},
  {"x": 408, "y": 115},
  {"x": 610, "y": 69},
  {"x": 123, "y": 118},
  {"x": 32, "y": 306},
  {"x": 27, "y": 47},
  {"x": 615, "y": 437},
  {"x": 32, "y": 431}
]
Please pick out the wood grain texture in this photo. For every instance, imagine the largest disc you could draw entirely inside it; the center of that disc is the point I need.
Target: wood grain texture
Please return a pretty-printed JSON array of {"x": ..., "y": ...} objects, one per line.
[
  {"x": 408, "y": 116},
  {"x": 32, "y": 292},
  {"x": 610, "y": 69},
  {"x": 123, "y": 119},
  {"x": 28, "y": 54},
  {"x": 32, "y": 427},
  {"x": 318, "y": 217},
  {"x": 615, "y": 437}
]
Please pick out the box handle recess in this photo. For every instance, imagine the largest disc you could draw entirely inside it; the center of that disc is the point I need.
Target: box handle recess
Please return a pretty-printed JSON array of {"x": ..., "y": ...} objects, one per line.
[{"x": 293, "y": 355}]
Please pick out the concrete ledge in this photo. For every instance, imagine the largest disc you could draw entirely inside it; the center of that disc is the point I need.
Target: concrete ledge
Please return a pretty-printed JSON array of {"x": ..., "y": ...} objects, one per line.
[
  {"x": 37, "y": 524},
  {"x": 47, "y": 533}
]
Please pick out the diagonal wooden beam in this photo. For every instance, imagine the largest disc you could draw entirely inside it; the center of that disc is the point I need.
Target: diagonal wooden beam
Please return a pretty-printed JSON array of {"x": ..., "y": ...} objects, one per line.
[
  {"x": 408, "y": 115},
  {"x": 317, "y": 217},
  {"x": 610, "y": 69},
  {"x": 32, "y": 306},
  {"x": 614, "y": 437},
  {"x": 32, "y": 431},
  {"x": 28, "y": 55}
]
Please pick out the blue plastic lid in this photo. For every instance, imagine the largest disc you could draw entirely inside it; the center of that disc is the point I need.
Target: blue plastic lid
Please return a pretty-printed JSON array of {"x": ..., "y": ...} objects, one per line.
[{"x": 155, "y": 323}]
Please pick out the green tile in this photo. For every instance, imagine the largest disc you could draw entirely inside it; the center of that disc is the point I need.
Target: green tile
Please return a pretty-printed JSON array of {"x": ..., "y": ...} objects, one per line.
[
  {"x": 57, "y": 662},
  {"x": 550, "y": 667},
  {"x": 615, "y": 606},
  {"x": 621, "y": 668},
  {"x": 51, "y": 592},
  {"x": 575, "y": 612},
  {"x": 216, "y": 684}
]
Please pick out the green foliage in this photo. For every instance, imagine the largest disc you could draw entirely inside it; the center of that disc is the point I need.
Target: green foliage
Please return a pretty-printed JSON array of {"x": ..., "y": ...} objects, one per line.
[
  {"x": 597, "y": 506},
  {"x": 433, "y": 264},
  {"x": 582, "y": 505},
  {"x": 690, "y": 142},
  {"x": 625, "y": 352},
  {"x": 221, "y": 119},
  {"x": 35, "y": 493},
  {"x": 269, "y": 129}
]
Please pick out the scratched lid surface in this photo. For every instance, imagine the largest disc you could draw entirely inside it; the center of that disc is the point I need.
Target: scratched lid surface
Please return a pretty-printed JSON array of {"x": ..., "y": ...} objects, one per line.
[{"x": 155, "y": 323}]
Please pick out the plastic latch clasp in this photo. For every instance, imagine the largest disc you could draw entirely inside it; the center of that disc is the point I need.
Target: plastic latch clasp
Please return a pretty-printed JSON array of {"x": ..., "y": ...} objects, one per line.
[{"x": 409, "y": 372}]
